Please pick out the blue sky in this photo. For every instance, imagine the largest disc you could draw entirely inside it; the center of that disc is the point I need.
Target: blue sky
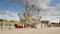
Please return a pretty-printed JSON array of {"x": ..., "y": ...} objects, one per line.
[
  {"x": 12, "y": 9},
  {"x": 54, "y": 2}
]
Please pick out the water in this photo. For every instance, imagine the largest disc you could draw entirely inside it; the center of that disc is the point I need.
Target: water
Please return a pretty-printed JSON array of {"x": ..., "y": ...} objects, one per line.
[{"x": 8, "y": 27}]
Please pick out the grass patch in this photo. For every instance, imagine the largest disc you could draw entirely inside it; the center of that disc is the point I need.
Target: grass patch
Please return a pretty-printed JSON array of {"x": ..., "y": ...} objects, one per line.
[{"x": 9, "y": 23}]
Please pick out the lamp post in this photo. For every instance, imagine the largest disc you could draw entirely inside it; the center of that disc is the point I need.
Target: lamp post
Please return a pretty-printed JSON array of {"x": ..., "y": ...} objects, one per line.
[
  {"x": 2, "y": 27},
  {"x": 39, "y": 18}
]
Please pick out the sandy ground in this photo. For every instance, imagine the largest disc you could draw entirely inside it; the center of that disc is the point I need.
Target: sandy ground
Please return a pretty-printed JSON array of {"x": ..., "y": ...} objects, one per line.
[{"x": 55, "y": 30}]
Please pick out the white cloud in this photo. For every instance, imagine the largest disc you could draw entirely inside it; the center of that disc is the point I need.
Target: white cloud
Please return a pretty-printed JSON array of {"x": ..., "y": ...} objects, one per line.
[
  {"x": 40, "y": 4},
  {"x": 58, "y": 6},
  {"x": 13, "y": 17},
  {"x": 54, "y": 19},
  {"x": 6, "y": 15},
  {"x": 4, "y": 11}
]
